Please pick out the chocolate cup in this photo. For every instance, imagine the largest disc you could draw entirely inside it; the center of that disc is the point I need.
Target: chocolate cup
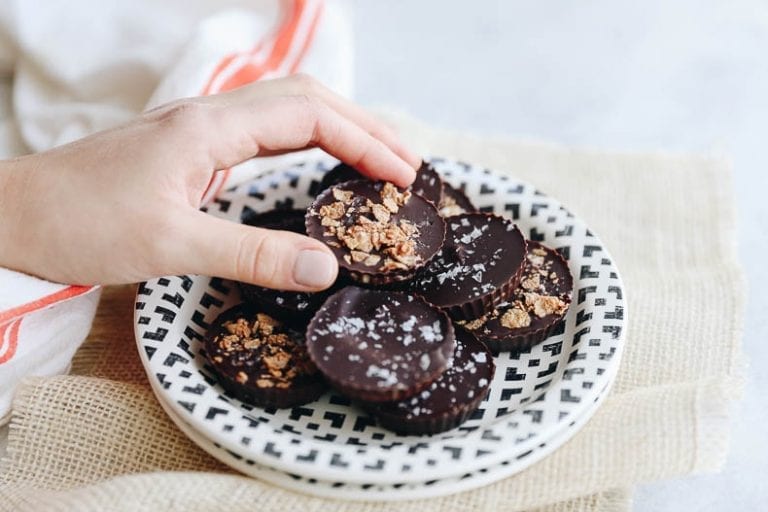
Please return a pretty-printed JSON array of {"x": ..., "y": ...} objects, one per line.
[
  {"x": 417, "y": 210},
  {"x": 502, "y": 339},
  {"x": 339, "y": 174},
  {"x": 304, "y": 388},
  {"x": 289, "y": 219},
  {"x": 462, "y": 257},
  {"x": 428, "y": 183},
  {"x": 439, "y": 408},
  {"x": 291, "y": 307},
  {"x": 461, "y": 203},
  {"x": 379, "y": 346}
]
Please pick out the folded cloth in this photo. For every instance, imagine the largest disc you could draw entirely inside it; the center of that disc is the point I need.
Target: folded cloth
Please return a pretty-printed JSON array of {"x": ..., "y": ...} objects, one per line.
[
  {"x": 84, "y": 65},
  {"x": 100, "y": 441}
]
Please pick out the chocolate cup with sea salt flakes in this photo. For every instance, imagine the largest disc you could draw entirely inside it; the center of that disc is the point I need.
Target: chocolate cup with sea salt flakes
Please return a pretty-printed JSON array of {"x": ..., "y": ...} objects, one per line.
[
  {"x": 428, "y": 183},
  {"x": 450, "y": 400},
  {"x": 478, "y": 266},
  {"x": 379, "y": 346},
  {"x": 537, "y": 307},
  {"x": 380, "y": 234}
]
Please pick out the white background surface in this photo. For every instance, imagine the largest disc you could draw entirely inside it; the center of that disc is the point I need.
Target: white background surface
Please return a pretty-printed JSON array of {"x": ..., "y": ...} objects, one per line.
[{"x": 651, "y": 75}]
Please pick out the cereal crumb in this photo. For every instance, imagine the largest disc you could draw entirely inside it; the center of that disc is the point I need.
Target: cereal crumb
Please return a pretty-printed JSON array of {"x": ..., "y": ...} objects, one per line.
[
  {"x": 380, "y": 213},
  {"x": 515, "y": 318},
  {"x": 475, "y": 324},
  {"x": 345, "y": 196},
  {"x": 544, "y": 305},
  {"x": 531, "y": 283},
  {"x": 238, "y": 328},
  {"x": 333, "y": 211},
  {"x": 265, "y": 383},
  {"x": 265, "y": 324},
  {"x": 372, "y": 260},
  {"x": 450, "y": 207}
]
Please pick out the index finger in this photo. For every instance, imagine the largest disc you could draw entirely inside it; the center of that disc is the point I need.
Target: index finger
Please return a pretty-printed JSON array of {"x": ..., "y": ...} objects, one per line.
[
  {"x": 238, "y": 132},
  {"x": 300, "y": 84}
]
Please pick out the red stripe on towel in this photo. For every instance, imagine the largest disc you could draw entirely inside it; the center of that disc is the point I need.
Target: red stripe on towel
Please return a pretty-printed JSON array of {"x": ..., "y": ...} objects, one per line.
[
  {"x": 9, "y": 339},
  {"x": 44, "y": 302},
  {"x": 285, "y": 37}
]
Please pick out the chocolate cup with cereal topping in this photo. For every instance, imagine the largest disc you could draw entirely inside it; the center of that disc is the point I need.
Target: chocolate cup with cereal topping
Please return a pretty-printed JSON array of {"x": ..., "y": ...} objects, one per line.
[
  {"x": 478, "y": 266},
  {"x": 455, "y": 202},
  {"x": 428, "y": 183},
  {"x": 537, "y": 307},
  {"x": 288, "y": 306},
  {"x": 379, "y": 346},
  {"x": 380, "y": 234},
  {"x": 451, "y": 399},
  {"x": 260, "y": 361}
]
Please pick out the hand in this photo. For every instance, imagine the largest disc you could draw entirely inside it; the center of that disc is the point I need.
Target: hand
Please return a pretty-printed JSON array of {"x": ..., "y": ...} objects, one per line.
[{"x": 122, "y": 205}]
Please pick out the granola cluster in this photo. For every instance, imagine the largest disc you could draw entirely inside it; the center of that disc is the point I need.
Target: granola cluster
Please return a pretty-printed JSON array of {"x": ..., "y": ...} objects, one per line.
[
  {"x": 281, "y": 359},
  {"x": 367, "y": 230},
  {"x": 531, "y": 298},
  {"x": 449, "y": 207}
]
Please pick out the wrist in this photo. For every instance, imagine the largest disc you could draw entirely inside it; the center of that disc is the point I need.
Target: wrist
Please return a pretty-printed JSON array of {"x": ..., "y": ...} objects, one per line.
[{"x": 14, "y": 183}]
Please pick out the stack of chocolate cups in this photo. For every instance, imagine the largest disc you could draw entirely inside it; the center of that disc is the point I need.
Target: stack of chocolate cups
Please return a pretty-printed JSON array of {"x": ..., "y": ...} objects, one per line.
[{"x": 428, "y": 290}]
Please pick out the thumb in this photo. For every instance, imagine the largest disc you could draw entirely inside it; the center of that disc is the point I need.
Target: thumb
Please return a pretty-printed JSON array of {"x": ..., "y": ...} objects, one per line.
[{"x": 274, "y": 259}]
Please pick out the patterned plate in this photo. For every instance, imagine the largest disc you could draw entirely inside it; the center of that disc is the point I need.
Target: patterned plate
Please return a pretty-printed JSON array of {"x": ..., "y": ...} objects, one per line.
[
  {"x": 391, "y": 492},
  {"x": 534, "y": 395}
]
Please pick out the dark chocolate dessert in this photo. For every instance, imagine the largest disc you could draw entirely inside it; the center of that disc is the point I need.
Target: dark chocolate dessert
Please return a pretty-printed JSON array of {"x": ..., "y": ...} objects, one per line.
[
  {"x": 288, "y": 306},
  {"x": 259, "y": 360},
  {"x": 380, "y": 234},
  {"x": 339, "y": 174},
  {"x": 427, "y": 184},
  {"x": 449, "y": 400},
  {"x": 379, "y": 346},
  {"x": 478, "y": 266},
  {"x": 289, "y": 219},
  {"x": 539, "y": 303},
  {"x": 455, "y": 202}
]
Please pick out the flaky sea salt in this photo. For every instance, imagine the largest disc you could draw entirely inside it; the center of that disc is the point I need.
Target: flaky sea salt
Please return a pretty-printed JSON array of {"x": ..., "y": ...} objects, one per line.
[
  {"x": 408, "y": 324},
  {"x": 346, "y": 325},
  {"x": 431, "y": 333},
  {"x": 385, "y": 377}
]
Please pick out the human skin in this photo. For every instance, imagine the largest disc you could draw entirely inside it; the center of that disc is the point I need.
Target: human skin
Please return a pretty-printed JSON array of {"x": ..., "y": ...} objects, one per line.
[{"x": 122, "y": 205}]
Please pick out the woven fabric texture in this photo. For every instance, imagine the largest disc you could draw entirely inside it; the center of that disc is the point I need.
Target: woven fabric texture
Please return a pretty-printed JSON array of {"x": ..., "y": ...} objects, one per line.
[{"x": 98, "y": 440}]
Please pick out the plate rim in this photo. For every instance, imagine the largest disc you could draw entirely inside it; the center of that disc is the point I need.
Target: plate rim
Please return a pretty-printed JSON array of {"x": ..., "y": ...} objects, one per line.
[{"x": 490, "y": 475}]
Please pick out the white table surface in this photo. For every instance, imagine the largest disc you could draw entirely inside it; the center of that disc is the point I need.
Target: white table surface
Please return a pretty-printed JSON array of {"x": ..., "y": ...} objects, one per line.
[
  {"x": 653, "y": 75},
  {"x": 650, "y": 75}
]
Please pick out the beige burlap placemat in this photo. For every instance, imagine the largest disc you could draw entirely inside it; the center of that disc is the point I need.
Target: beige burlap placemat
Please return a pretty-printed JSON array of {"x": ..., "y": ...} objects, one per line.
[{"x": 98, "y": 440}]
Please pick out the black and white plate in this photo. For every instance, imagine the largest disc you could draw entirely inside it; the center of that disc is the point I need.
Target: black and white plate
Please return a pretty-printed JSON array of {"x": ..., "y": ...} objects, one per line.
[
  {"x": 534, "y": 396},
  {"x": 375, "y": 491}
]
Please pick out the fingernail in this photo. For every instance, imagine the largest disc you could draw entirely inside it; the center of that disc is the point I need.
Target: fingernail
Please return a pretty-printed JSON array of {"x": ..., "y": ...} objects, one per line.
[{"x": 314, "y": 269}]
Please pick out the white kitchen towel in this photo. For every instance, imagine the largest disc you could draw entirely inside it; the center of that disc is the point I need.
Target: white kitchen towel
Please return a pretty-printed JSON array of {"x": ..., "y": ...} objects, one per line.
[{"x": 73, "y": 68}]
